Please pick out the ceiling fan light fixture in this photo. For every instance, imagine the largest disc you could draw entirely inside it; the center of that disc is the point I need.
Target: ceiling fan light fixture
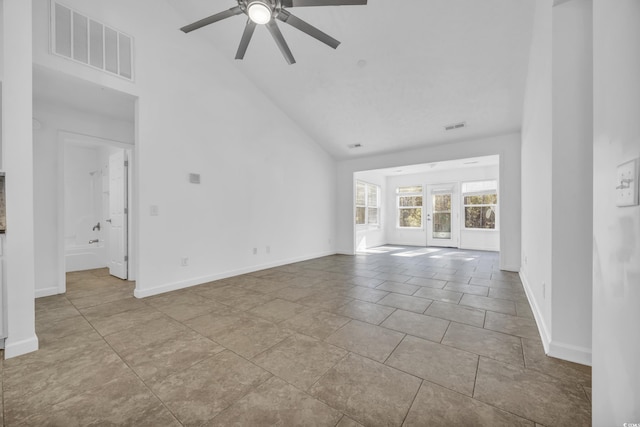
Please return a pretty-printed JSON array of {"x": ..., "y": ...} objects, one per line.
[{"x": 259, "y": 12}]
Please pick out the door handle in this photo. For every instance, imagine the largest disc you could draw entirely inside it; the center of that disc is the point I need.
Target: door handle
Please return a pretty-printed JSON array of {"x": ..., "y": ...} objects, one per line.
[{"x": 108, "y": 220}]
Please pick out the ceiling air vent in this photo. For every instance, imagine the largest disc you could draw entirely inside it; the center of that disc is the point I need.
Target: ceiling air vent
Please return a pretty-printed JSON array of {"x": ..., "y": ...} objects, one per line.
[
  {"x": 358, "y": 145},
  {"x": 455, "y": 126}
]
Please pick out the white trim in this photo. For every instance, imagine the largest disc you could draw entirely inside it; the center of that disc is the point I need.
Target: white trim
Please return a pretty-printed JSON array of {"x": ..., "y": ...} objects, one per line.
[
  {"x": 19, "y": 348},
  {"x": 344, "y": 253},
  {"x": 553, "y": 348},
  {"x": 512, "y": 268},
  {"x": 545, "y": 336},
  {"x": 143, "y": 293},
  {"x": 569, "y": 352},
  {"x": 47, "y": 292}
]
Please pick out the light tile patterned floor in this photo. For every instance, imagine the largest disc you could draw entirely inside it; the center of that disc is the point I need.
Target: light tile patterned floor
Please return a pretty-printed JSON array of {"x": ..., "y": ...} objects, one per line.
[{"x": 396, "y": 336}]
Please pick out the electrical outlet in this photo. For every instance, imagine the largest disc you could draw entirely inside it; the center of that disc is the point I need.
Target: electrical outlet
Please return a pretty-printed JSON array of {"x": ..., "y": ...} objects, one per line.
[
  {"x": 544, "y": 290},
  {"x": 184, "y": 261},
  {"x": 268, "y": 249},
  {"x": 255, "y": 251}
]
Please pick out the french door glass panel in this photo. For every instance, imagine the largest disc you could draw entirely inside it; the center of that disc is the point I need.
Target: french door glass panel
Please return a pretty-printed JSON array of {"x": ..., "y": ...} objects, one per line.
[{"x": 441, "y": 216}]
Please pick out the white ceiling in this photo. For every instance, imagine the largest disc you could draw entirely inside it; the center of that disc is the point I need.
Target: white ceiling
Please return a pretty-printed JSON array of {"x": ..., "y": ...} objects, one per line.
[
  {"x": 404, "y": 69},
  {"x": 470, "y": 162}
]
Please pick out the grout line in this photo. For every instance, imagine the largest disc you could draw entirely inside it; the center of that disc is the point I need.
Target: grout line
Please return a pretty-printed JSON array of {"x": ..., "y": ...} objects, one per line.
[
  {"x": 475, "y": 379},
  {"x": 394, "y": 349},
  {"x": 415, "y": 396}
]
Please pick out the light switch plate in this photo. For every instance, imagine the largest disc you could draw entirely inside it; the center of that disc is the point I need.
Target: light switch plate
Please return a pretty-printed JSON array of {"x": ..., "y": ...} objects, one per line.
[{"x": 627, "y": 184}]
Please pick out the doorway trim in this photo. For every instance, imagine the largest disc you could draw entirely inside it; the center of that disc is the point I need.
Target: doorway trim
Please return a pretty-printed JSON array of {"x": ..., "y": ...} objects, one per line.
[{"x": 64, "y": 138}]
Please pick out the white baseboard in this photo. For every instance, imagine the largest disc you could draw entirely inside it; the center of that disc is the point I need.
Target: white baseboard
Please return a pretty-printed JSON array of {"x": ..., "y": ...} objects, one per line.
[
  {"x": 571, "y": 353},
  {"x": 545, "y": 336},
  {"x": 143, "y": 293},
  {"x": 554, "y": 348},
  {"x": 513, "y": 268},
  {"x": 14, "y": 349},
  {"x": 47, "y": 292}
]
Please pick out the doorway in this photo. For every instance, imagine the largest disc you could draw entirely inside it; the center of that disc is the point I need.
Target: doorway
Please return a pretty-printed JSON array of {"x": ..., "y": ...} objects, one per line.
[
  {"x": 443, "y": 217},
  {"x": 94, "y": 217}
]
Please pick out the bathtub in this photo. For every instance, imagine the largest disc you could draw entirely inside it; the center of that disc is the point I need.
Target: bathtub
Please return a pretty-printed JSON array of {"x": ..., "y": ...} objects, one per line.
[{"x": 85, "y": 257}]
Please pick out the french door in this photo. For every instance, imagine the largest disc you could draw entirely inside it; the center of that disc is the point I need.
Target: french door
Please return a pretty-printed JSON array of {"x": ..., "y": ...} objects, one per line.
[{"x": 443, "y": 218}]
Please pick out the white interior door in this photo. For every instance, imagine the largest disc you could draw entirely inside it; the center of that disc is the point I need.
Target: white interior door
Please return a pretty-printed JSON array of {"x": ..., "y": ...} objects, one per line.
[
  {"x": 118, "y": 258},
  {"x": 443, "y": 219}
]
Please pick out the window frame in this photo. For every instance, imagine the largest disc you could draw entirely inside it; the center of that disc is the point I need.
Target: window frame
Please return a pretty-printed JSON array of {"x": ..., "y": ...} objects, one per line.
[
  {"x": 367, "y": 206},
  {"x": 494, "y": 206},
  {"x": 400, "y": 208}
]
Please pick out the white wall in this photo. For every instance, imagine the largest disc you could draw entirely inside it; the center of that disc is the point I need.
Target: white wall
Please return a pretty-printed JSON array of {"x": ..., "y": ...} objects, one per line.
[
  {"x": 536, "y": 177},
  {"x": 556, "y": 172},
  {"x": 616, "y": 231},
  {"x": 469, "y": 239},
  {"x": 56, "y": 118},
  {"x": 507, "y": 146},
  {"x": 17, "y": 159},
  {"x": 83, "y": 203},
  {"x": 264, "y": 182},
  {"x": 371, "y": 236},
  {"x": 572, "y": 174}
]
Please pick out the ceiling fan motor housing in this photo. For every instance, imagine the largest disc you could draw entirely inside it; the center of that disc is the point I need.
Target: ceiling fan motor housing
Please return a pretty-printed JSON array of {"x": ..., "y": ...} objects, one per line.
[{"x": 267, "y": 12}]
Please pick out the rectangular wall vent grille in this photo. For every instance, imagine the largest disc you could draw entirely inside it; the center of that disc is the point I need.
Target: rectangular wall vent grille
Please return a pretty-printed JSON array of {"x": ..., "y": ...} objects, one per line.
[
  {"x": 456, "y": 126},
  {"x": 87, "y": 41}
]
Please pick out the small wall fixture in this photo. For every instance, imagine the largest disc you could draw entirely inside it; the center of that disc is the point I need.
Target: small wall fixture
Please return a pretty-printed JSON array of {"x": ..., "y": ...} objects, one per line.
[{"x": 627, "y": 184}]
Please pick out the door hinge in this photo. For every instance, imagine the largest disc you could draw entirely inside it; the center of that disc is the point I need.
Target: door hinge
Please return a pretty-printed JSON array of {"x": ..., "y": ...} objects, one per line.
[
  {"x": 126, "y": 258},
  {"x": 126, "y": 163},
  {"x": 126, "y": 210}
]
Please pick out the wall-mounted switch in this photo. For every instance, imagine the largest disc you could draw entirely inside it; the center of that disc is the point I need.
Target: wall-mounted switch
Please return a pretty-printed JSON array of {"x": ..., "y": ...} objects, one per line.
[
  {"x": 153, "y": 210},
  {"x": 255, "y": 251},
  {"x": 627, "y": 183},
  {"x": 184, "y": 261}
]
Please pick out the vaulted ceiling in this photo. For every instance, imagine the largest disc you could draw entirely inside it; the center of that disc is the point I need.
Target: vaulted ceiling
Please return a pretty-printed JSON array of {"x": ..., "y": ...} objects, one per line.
[{"x": 403, "y": 72}]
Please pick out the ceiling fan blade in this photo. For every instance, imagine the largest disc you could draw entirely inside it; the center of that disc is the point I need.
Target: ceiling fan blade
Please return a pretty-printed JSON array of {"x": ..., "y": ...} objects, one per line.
[
  {"x": 305, "y": 27},
  {"x": 303, "y": 3},
  {"x": 246, "y": 38},
  {"x": 282, "y": 44},
  {"x": 211, "y": 19}
]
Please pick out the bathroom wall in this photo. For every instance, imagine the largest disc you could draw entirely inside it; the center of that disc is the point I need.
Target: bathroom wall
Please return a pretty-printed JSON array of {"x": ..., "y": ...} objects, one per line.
[{"x": 82, "y": 194}]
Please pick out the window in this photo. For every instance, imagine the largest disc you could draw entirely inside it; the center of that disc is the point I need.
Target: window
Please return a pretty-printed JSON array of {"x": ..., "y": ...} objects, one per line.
[
  {"x": 367, "y": 204},
  {"x": 480, "y": 200},
  {"x": 409, "y": 206}
]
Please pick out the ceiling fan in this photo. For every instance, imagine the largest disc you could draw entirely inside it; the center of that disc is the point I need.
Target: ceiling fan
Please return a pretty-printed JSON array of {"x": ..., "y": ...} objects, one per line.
[{"x": 265, "y": 12}]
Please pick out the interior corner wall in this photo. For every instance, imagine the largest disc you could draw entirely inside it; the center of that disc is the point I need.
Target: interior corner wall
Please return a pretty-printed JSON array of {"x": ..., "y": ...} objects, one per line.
[
  {"x": 265, "y": 184},
  {"x": 616, "y": 231},
  {"x": 572, "y": 175},
  {"x": 556, "y": 176},
  {"x": 507, "y": 146}
]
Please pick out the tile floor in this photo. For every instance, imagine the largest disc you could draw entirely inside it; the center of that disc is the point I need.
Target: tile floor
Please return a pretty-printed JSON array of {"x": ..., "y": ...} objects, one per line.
[{"x": 397, "y": 336}]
